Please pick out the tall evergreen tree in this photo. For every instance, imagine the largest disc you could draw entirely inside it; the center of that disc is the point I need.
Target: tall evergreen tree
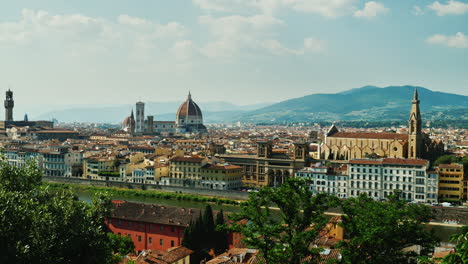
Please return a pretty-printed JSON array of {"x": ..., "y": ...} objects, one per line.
[{"x": 221, "y": 236}]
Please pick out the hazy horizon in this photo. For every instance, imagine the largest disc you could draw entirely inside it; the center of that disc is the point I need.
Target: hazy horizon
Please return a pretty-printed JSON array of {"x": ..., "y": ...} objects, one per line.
[{"x": 245, "y": 52}]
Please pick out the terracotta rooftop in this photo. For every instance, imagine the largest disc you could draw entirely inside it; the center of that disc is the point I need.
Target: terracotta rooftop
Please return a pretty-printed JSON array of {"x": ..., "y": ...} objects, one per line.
[
  {"x": 188, "y": 159},
  {"x": 370, "y": 135},
  {"x": 451, "y": 166},
  {"x": 223, "y": 167},
  {"x": 391, "y": 161},
  {"x": 156, "y": 214}
]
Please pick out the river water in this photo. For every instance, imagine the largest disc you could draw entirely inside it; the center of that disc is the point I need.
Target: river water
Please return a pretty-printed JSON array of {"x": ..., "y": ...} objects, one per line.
[{"x": 443, "y": 232}]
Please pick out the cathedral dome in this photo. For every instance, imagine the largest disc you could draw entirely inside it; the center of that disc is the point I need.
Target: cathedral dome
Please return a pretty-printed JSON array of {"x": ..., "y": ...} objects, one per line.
[
  {"x": 189, "y": 108},
  {"x": 189, "y": 117},
  {"x": 128, "y": 123}
]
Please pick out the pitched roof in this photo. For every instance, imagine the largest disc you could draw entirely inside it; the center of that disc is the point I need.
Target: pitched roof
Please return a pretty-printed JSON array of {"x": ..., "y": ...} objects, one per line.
[
  {"x": 370, "y": 135},
  {"x": 189, "y": 159},
  {"x": 156, "y": 214},
  {"x": 391, "y": 161}
]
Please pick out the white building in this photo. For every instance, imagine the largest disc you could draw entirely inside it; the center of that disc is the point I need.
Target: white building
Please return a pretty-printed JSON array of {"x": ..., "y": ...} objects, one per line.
[
  {"x": 380, "y": 178},
  {"x": 377, "y": 178},
  {"x": 323, "y": 179}
]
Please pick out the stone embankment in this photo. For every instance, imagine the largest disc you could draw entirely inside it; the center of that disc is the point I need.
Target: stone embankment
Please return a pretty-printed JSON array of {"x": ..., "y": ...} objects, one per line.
[{"x": 442, "y": 214}]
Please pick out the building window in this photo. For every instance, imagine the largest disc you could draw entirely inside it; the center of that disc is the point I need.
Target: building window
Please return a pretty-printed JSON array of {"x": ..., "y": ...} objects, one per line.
[
  {"x": 172, "y": 243},
  {"x": 139, "y": 238},
  {"x": 161, "y": 228},
  {"x": 172, "y": 229},
  {"x": 161, "y": 242},
  {"x": 150, "y": 240}
]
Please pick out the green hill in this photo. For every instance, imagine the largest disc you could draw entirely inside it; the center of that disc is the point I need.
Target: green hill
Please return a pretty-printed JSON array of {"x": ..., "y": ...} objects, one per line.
[{"x": 365, "y": 103}]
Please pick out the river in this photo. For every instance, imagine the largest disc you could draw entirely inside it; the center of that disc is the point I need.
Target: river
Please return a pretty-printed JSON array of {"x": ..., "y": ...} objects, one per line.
[{"x": 443, "y": 232}]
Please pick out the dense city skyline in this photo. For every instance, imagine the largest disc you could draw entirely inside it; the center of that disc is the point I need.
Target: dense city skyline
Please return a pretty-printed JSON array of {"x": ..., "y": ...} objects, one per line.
[{"x": 121, "y": 52}]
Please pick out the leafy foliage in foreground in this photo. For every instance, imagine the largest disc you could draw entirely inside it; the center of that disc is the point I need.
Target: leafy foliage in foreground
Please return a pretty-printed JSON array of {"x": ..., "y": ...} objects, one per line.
[
  {"x": 461, "y": 249},
  {"x": 42, "y": 225},
  {"x": 284, "y": 238},
  {"x": 379, "y": 231}
]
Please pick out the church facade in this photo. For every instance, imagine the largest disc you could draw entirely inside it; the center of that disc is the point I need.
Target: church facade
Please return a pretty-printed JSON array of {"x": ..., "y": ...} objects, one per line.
[
  {"x": 340, "y": 145},
  {"x": 189, "y": 119}
]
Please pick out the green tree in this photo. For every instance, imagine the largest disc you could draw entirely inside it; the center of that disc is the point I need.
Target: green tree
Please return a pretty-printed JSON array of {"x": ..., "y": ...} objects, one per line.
[
  {"x": 221, "y": 236},
  {"x": 121, "y": 245},
  {"x": 41, "y": 225},
  {"x": 284, "y": 237},
  {"x": 379, "y": 231},
  {"x": 461, "y": 249}
]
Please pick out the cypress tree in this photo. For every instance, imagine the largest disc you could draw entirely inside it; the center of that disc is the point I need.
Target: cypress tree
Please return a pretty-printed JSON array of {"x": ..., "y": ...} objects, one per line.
[
  {"x": 208, "y": 221},
  {"x": 221, "y": 236}
]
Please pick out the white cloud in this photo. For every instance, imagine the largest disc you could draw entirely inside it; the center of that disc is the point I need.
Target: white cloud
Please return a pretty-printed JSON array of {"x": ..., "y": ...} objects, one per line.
[
  {"x": 451, "y": 8},
  {"x": 231, "y": 33},
  {"x": 183, "y": 49},
  {"x": 326, "y": 8},
  {"x": 457, "y": 41},
  {"x": 417, "y": 11},
  {"x": 371, "y": 10},
  {"x": 77, "y": 34},
  {"x": 314, "y": 45}
]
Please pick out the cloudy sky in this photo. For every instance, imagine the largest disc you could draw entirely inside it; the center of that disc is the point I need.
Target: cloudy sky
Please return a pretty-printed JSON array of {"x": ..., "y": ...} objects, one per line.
[{"x": 60, "y": 52}]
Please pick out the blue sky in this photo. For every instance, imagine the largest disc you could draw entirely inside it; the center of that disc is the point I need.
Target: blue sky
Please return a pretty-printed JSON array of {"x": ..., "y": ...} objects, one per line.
[{"x": 242, "y": 51}]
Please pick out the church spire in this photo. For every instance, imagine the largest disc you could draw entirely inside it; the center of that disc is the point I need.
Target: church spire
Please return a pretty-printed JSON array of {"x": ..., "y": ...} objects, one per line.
[
  {"x": 189, "y": 96},
  {"x": 415, "y": 96},
  {"x": 414, "y": 129}
]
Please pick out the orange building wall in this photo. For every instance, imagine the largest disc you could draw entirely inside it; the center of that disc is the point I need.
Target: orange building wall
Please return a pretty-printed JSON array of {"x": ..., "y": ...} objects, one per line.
[{"x": 150, "y": 234}]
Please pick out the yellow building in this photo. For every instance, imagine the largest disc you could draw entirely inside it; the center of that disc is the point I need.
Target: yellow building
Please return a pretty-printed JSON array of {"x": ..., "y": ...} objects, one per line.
[
  {"x": 450, "y": 181},
  {"x": 221, "y": 177},
  {"x": 185, "y": 171},
  {"x": 100, "y": 168}
]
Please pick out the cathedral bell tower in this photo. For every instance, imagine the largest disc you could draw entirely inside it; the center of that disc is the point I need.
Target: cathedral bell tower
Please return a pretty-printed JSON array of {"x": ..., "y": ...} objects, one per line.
[
  {"x": 414, "y": 129},
  {"x": 9, "y": 104}
]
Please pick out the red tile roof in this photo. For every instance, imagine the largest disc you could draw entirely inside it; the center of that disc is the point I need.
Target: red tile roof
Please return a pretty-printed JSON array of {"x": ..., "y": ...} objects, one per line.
[
  {"x": 392, "y": 161},
  {"x": 370, "y": 135},
  {"x": 188, "y": 159}
]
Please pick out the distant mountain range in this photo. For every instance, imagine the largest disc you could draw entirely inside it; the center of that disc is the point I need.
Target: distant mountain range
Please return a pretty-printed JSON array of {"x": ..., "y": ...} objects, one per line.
[
  {"x": 212, "y": 112},
  {"x": 366, "y": 103}
]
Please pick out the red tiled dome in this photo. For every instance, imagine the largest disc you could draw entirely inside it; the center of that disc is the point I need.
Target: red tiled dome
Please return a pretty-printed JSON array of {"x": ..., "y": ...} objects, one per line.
[{"x": 189, "y": 108}]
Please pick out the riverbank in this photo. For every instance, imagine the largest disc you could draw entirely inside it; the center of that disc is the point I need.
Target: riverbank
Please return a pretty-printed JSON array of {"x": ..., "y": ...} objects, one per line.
[{"x": 152, "y": 194}]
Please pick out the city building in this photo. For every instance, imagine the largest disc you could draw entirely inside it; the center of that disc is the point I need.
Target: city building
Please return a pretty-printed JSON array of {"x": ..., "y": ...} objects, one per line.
[
  {"x": 150, "y": 226},
  {"x": 185, "y": 171},
  {"x": 221, "y": 177},
  {"x": 451, "y": 180},
  {"x": 9, "y": 122},
  {"x": 269, "y": 167},
  {"x": 326, "y": 179},
  {"x": 189, "y": 119},
  {"x": 381, "y": 177},
  {"x": 101, "y": 168},
  {"x": 415, "y": 144}
]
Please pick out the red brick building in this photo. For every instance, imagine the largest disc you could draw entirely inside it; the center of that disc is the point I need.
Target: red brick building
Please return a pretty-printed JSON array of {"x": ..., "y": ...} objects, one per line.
[{"x": 154, "y": 227}]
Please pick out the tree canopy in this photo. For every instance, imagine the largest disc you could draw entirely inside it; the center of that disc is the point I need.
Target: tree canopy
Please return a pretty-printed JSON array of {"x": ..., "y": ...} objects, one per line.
[
  {"x": 379, "y": 231},
  {"x": 41, "y": 225},
  {"x": 282, "y": 222},
  {"x": 203, "y": 235}
]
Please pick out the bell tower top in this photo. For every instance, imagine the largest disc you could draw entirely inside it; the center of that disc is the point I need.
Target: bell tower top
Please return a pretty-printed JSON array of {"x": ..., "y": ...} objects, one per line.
[{"x": 414, "y": 126}]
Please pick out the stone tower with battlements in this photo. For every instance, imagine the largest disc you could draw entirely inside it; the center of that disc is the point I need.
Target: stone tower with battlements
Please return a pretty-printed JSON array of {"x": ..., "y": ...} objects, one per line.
[{"x": 9, "y": 104}]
